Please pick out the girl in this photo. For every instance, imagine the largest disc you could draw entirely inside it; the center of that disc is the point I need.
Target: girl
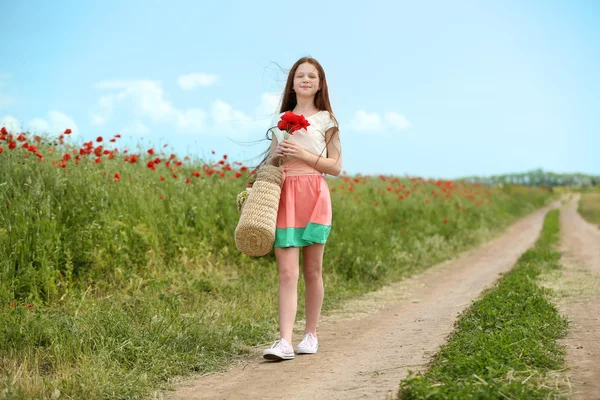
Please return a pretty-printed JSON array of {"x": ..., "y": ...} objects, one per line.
[{"x": 304, "y": 216}]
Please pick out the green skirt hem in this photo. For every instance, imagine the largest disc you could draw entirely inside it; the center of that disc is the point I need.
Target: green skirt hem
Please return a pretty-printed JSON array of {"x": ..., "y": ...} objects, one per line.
[{"x": 300, "y": 237}]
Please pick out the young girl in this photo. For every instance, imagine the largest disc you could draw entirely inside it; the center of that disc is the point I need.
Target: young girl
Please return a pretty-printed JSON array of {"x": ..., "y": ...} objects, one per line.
[{"x": 304, "y": 216}]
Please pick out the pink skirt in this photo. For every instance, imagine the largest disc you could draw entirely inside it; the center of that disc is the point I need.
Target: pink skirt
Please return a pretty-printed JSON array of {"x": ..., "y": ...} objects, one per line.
[{"x": 304, "y": 214}]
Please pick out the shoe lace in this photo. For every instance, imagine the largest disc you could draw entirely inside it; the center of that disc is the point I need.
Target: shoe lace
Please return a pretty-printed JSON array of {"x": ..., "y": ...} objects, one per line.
[
  {"x": 282, "y": 344},
  {"x": 308, "y": 340}
]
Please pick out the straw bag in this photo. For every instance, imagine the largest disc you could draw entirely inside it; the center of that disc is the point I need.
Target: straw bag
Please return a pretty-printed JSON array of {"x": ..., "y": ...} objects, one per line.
[{"x": 255, "y": 232}]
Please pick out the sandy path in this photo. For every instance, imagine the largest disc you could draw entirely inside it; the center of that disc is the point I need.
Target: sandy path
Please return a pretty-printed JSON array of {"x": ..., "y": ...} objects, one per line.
[
  {"x": 580, "y": 245},
  {"x": 367, "y": 356}
]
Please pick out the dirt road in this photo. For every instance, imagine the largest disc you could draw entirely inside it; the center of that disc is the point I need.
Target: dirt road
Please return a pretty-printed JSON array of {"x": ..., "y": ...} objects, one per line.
[
  {"x": 366, "y": 355},
  {"x": 579, "y": 285}
]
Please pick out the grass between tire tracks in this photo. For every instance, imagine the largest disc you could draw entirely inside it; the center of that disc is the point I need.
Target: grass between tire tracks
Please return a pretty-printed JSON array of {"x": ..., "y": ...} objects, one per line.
[
  {"x": 506, "y": 342},
  {"x": 589, "y": 207}
]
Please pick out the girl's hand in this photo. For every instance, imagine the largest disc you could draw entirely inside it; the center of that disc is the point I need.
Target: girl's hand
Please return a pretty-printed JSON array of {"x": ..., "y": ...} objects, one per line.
[{"x": 291, "y": 149}]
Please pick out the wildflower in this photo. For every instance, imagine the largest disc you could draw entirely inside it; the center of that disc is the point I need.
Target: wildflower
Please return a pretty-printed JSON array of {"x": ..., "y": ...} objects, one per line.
[
  {"x": 97, "y": 160},
  {"x": 12, "y": 145},
  {"x": 238, "y": 174},
  {"x": 188, "y": 180},
  {"x": 68, "y": 131},
  {"x": 162, "y": 178},
  {"x": 117, "y": 177},
  {"x": 151, "y": 165},
  {"x": 5, "y": 132},
  {"x": 151, "y": 151}
]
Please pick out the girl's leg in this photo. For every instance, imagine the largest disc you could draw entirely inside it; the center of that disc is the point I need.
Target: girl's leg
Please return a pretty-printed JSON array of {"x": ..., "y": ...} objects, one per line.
[
  {"x": 287, "y": 261},
  {"x": 313, "y": 278}
]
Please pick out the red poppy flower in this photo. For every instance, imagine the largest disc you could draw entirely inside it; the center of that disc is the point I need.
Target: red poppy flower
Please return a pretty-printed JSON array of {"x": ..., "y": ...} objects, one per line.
[
  {"x": 37, "y": 138},
  {"x": 178, "y": 163},
  {"x": 175, "y": 176},
  {"x": 1, "y": 150},
  {"x": 68, "y": 131},
  {"x": 99, "y": 139},
  {"x": 4, "y": 131},
  {"x": 12, "y": 145},
  {"x": 21, "y": 138},
  {"x": 39, "y": 155},
  {"x": 117, "y": 177},
  {"x": 106, "y": 152},
  {"x": 113, "y": 140},
  {"x": 151, "y": 151},
  {"x": 188, "y": 180},
  {"x": 244, "y": 168},
  {"x": 238, "y": 174},
  {"x": 445, "y": 221},
  {"x": 196, "y": 174},
  {"x": 133, "y": 159},
  {"x": 162, "y": 178},
  {"x": 291, "y": 122},
  {"x": 151, "y": 165},
  {"x": 117, "y": 135},
  {"x": 157, "y": 160},
  {"x": 97, "y": 160}
]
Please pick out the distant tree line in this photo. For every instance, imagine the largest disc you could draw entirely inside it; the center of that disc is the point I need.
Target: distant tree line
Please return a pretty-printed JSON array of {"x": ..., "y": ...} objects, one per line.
[{"x": 538, "y": 178}]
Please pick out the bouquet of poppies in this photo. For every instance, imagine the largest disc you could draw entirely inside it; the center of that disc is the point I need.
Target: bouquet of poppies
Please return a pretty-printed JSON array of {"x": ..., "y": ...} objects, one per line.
[{"x": 290, "y": 123}]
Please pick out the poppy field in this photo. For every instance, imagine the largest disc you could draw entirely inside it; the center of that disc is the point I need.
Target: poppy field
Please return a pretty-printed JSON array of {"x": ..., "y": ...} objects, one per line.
[{"x": 119, "y": 269}]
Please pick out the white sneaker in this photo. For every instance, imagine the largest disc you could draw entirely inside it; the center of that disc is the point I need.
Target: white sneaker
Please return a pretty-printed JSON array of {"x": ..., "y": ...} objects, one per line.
[
  {"x": 280, "y": 350},
  {"x": 308, "y": 345}
]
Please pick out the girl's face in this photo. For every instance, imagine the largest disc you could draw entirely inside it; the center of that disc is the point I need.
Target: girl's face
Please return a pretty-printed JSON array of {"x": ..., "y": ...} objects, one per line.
[{"x": 306, "y": 80}]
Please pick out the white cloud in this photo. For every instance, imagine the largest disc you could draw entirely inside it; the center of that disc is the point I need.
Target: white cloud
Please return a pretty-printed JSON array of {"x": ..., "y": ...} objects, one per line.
[
  {"x": 10, "y": 123},
  {"x": 145, "y": 99},
  {"x": 136, "y": 128},
  {"x": 55, "y": 124},
  {"x": 146, "y": 103},
  {"x": 39, "y": 125},
  {"x": 190, "y": 81},
  {"x": 269, "y": 105},
  {"x": 364, "y": 121},
  {"x": 398, "y": 121}
]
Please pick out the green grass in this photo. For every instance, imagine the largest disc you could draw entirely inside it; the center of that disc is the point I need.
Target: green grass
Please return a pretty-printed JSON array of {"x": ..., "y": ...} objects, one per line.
[
  {"x": 589, "y": 206},
  {"x": 108, "y": 290},
  {"x": 506, "y": 341}
]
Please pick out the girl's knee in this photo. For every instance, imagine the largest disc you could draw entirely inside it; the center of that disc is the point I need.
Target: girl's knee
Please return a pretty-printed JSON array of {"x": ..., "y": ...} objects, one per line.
[{"x": 288, "y": 274}]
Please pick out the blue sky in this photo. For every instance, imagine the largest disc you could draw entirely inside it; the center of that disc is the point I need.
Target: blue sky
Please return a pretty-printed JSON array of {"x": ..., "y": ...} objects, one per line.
[{"x": 433, "y": 88}]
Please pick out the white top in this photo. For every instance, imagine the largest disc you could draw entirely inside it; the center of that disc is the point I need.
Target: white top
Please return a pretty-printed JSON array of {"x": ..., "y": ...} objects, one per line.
[{"x": 312, "y": 138}]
